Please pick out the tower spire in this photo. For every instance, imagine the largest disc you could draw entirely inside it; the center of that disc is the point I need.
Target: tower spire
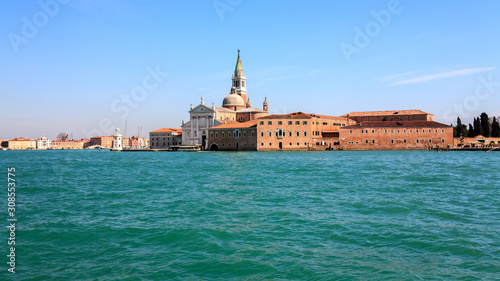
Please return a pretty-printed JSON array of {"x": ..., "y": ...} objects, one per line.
[{"x": 238, "y": 67}]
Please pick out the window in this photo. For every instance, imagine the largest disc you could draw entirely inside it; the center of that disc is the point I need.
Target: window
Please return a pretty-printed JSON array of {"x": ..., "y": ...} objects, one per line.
[
  {"x": 304, "y": 123},
  {"x": 269, "y": 122},
  {"x": 290, "y": 133},
  {"x": 290, "y": 144},
  {"x": 411, "y": 131},
  {"x": 404, "y": 141},
  {"x": 229, "y": 144},
  {"x": 442, "y": 131},
  {"x": 222, "y": 144},
  {"x": 366, "y": 141},
  {"x": 244, "y": 144},
  {"x": 297, "y": 122},
  {"x": 442, "y": 140},
  {"x": 244, "y": 133},
  {"x": 305, "y": 143},
  {"x": 423, "y": 130},
  {"x": 289, "y": 122},
  {"x": 416, "y": 130},
  {"x": 362, "y": 131},
  {"x": 270, "y": 144},
  {"x": 305, "y": 133},
  {"x": 392, "y": 141},
  {"x": 261, "y": 144},
  {"x": 373, "y": 131},
  {"x": 350, "y": 131},
  {"x": 261, "y": 122},
  {"x": 211, "y": 134},
  {"x": 298, "y": 143},
  {"x": 430, "y": 141},
  {"x": 298, "y": 133},
  {"x": 436, "y": 130},
  {"x": 222, "y": 134},
  {"x": 280, "y": 123},
  {"x": 392, "y": 131},
  {"x": 398, "y": 131},
  {"x": 261, "y": 133},
  {"x": 229, "y": 134},
  {"x": 417, "y": 141},
  {"x": 270, "y": 134},
  {"x": 252, "y": 133},
  {"x": 253, "y": 144},
  {"x": 386, "y": 131},
  {"x": 373, "y": 141},
  {"x": 404, "y": 131}
]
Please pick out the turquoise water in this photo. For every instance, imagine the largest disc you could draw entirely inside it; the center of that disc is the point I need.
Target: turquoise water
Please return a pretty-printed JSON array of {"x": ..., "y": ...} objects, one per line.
[{"x": 401, "y": 215}]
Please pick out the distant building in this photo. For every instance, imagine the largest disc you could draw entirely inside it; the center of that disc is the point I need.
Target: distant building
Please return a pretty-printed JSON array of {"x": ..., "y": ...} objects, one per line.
[
  {"x": 70, "y": 144},
  {"x": 103, "y": 141},
  {"x": 165, "y": 138},
  {"x": 21, "y": 144},
  {"x": 235, "y": 107},
  {"x": 384, "y": 135},
  {"x": 43, "y": 143},
  {"x": 294, "y": 131},
  {"x": 391, "y": 115},
  {"x": 477, "y": 141},
  {"x": 138, "y": 142}
]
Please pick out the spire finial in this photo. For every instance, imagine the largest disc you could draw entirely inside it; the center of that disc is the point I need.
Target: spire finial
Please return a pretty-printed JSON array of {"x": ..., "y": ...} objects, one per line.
[{"x": 238, "y": 67}]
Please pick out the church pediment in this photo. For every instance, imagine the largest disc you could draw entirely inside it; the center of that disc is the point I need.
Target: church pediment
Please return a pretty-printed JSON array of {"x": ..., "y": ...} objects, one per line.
[{"x": 201, "y": 109}]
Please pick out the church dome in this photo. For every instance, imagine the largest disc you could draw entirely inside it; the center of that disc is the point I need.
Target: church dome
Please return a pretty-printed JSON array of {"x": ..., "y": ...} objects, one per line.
[{"x": 233, "y": 100}]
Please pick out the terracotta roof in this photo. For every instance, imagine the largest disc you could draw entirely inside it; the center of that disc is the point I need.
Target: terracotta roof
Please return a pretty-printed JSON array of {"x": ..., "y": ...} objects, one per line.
[
  {"x": 162, "y": 130},
  {"x": 396, "y": 124},
  {"x": 301, "y": 115},
  {"x": 250, "y": 109},
  {"x": 388, "y": 112},
  {"x": 235, "y": 125}
]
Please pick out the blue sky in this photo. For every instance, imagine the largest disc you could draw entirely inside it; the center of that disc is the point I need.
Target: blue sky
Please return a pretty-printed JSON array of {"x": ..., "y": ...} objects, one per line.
[{"x": 84, "y": 67}]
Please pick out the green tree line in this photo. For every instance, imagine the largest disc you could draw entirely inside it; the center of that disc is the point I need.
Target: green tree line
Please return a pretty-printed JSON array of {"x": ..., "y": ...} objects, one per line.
[{"x": 482, "y": 125}]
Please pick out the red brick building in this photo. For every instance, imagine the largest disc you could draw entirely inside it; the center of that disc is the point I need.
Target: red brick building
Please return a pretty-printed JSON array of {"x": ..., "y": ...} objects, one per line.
[
  {"x": 385, "y": 135},
  {"x": 70, "y": 144},
  {"x": 294, "y": 131},
  {"x": 104, "y": 141},
  {"x": 390, "y": 115}
]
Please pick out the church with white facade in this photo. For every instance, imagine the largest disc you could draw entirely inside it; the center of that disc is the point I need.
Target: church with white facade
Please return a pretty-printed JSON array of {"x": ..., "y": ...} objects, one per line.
[{"x": 236, "y": 107}]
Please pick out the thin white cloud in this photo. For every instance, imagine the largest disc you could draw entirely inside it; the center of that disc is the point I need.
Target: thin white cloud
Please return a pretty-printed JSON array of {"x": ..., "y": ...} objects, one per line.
[{"x": 456, "y": 73}]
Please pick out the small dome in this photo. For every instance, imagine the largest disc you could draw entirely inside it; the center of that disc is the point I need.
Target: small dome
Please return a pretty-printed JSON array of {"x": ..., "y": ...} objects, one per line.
[{"x": 233, "y": 100}]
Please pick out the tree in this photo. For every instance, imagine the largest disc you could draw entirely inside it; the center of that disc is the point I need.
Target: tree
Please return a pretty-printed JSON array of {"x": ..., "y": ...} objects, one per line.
[
  {"x": 495, "y": 128},
  {"x": 62, "y": 136},
  {"x": 478, "y": 130},
  {"x": 485, "y": 124},
  {"x": 460, "y": 130},
  {"x": 470, "y": 134}
]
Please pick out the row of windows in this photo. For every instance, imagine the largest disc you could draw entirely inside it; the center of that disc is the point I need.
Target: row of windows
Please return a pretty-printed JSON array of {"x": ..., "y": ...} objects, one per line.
[
  {"x": 237, "y": 144},
  {"x": 392, "y": 141},
  {"x": 281, "y": 122},
  {"x": 398, "y": 131},
  {"x": 163, "y": 143},
  {"x": 230, "y": 134},
  {"x": 159, "y": 139},
  {"x": 282, "y": 133},
  {"x": 291, "y": 144}
]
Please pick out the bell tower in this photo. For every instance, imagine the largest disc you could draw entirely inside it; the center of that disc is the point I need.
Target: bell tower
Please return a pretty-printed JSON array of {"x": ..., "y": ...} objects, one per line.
[{"x": 240, "y": 80}]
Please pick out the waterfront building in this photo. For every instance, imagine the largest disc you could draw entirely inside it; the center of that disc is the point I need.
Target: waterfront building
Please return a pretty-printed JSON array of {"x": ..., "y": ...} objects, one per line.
[
  {"x": 103, "y": 141},
  {"x": 236, "y": 106},
  {"x": 21, "y": 144},
  {"x": 477, "y": 141},
  {"x": 117, "y": 141},
  {"x": 70, "y": 144},
  {"x": 294, "y": 131},
  {"x": 164, "y": 138},
  {"x": 136, "y": 142},
  {"x": 383, "y": 135},
  {"x": 390, "y": 115},
  {"x": 43, "y": 143}
]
